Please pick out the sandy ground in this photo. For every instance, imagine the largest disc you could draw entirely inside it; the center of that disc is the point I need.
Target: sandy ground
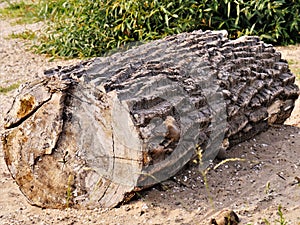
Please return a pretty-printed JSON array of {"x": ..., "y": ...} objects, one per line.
[{"x": 254, "y": 187}]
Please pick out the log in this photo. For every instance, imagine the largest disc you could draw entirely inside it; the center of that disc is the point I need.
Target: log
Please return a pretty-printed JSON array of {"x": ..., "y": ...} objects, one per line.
[{"x": 89, "y": 135}]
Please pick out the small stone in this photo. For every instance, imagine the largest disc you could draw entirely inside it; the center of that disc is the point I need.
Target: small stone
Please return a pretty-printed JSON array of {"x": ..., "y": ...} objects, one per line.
[
  {"x": 222, "y": 154},
  {"x": 145, "y": 207},
  {"x": 127, "y": 208},
  {"x": 225, "y": 217}
]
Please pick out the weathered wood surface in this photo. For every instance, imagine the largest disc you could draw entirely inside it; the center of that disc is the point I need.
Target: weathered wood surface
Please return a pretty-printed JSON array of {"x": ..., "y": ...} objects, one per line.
[{"x": 86, "y": 136}]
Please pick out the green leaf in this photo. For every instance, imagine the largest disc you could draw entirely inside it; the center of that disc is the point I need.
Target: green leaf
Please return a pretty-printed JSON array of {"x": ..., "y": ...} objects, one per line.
[
  {"x": 167, "y": 20},
  {"x": 228, "y": 9},
  {"x": 91, "y": 28}
]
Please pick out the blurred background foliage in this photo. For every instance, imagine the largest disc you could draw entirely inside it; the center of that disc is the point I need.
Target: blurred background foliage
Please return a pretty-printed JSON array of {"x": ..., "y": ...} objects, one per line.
[{"x": 86, "y": 28}]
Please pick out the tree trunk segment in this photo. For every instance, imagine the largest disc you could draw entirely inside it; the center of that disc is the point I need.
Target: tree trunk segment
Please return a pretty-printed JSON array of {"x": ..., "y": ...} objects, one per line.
[{"x": 87, "y": 136}]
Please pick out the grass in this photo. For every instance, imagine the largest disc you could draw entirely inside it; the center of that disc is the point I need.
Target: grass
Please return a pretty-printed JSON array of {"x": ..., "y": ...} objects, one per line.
[
  {"x": 92, "y": 28},
  {"x": 280, "y": 221},
  {"x": 4, "y": 90},
  {"x": 23, "y": 12},
  {"x": 25, "y": 35},
  {"x": 268, "y": 188}
]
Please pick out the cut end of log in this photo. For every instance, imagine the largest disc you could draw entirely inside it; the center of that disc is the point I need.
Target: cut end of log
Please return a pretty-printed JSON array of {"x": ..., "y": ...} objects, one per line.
[{"x": 89, "y": 135}]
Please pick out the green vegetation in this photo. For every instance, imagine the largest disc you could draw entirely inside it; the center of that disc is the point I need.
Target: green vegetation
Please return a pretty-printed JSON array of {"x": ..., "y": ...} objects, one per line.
[
  {"x": 81, "y": 28},
  {"x": 26, "y": 35},
  {"x": 280, "y": 221},
  {"x": 23, "y": 12},
  {"x": 4, "y": 90},
  {"x": 268, "y": 189}
]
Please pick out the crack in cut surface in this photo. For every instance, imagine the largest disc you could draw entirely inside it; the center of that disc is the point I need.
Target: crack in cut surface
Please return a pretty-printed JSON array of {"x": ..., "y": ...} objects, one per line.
[{"x": 24, "y": 118}]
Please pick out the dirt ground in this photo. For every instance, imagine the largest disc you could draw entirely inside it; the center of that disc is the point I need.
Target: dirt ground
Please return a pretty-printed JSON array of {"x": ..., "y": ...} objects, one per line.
[{"x": 254, "y": 187}]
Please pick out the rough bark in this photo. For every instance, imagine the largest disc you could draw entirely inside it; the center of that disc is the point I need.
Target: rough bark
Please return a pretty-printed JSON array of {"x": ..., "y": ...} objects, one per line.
[{"x": 87, "y": 136}]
